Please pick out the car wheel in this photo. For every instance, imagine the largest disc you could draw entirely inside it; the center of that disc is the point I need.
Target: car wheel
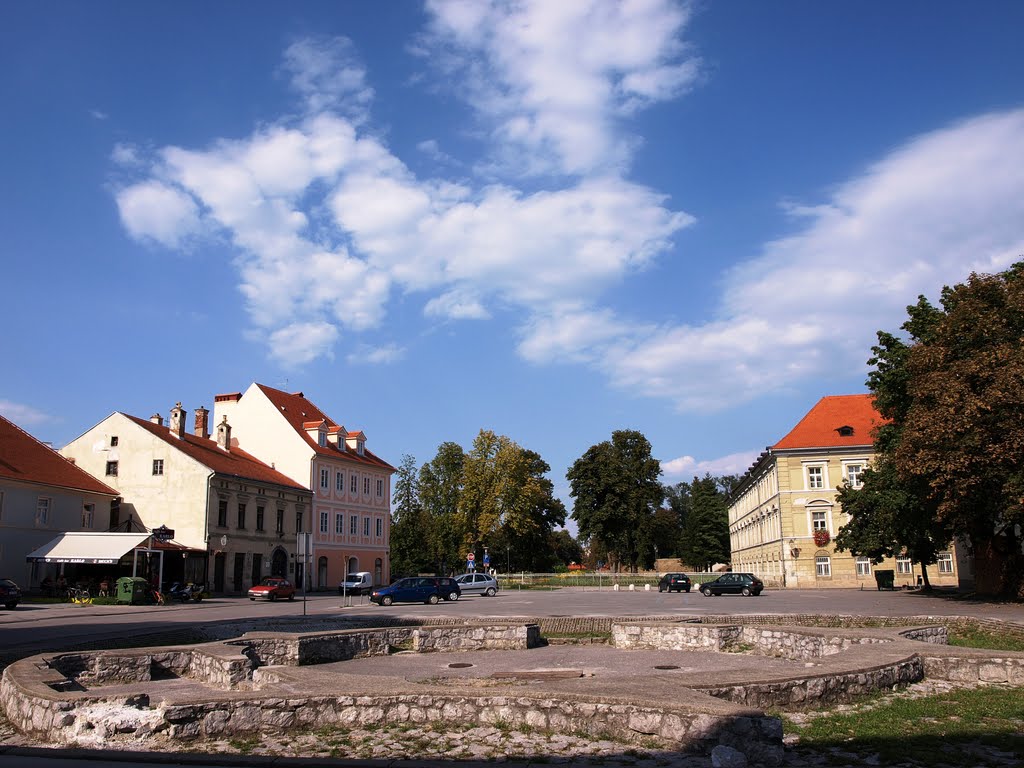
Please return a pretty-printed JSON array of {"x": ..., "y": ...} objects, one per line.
[
  {"x": 253, "y": 599},
  {"x": 661, "y": 588},
  {"x": 291, "y": 596},
  {"x": 452, "y": 596},
  {"x": 491, "y": 591},
  {"x": 746, "y": 591},
  {"x": 10, "y": 606},
  {"x": 432, "y": 600},
  {"x": 271, "y": 597},
  {"x": 687, "y": 590},
  {"x": 706, "y": 592},
  {"x": 386, "y": 600}
]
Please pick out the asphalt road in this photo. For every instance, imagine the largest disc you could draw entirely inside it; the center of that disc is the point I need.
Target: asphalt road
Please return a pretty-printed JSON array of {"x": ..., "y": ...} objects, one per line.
[{"x": 40, "y": 628}]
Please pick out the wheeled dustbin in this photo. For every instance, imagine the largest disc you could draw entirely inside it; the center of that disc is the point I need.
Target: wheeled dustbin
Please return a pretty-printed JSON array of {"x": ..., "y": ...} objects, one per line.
[
  {"x": 885, "y": 579},
  {"x": 131, "y": 589}
]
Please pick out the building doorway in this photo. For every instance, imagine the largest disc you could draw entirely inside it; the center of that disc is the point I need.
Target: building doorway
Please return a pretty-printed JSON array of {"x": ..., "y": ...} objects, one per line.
[{"x": 279, "y": 563}]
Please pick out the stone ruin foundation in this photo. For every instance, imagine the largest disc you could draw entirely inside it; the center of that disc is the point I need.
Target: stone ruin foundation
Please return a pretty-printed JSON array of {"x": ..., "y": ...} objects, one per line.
[{"x": 280, "y": 681}]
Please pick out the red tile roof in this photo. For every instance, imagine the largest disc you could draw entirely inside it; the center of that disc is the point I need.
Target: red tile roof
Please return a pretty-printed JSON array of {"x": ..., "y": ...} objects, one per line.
[
  {"x": 235, "y": 462},
  {"x": 25, "y": 459},
  {"x": 298, "y": 411},
  {"x": 823, "y": 425}
]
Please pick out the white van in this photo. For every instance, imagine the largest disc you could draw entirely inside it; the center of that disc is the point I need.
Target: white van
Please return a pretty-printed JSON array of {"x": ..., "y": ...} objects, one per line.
[{"x": 358, "y": 583}]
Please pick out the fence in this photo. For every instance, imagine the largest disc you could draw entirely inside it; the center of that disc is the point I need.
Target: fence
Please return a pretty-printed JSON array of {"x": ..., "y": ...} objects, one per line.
[{"x": 592, "y": 580}]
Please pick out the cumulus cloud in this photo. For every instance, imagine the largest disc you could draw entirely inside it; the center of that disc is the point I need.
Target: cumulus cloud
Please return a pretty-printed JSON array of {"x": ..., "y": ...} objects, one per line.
[
  {"x": 328, "y": 74},
  {"x": 154, "y": 210},
  {"x": 22, "y": 414},
  {"x": 301, "y": 343},
  {"x": 684, "y": 468},
  {"x": 549, "y": 79},
  {"x": 384, "y": 355}
]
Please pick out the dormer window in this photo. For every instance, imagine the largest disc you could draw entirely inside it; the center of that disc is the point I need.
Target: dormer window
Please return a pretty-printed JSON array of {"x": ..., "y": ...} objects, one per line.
[
  {"x": 845, "y": 431},
  {"x": 360, "y": 447},
  {"x": 321, "y": 438}
]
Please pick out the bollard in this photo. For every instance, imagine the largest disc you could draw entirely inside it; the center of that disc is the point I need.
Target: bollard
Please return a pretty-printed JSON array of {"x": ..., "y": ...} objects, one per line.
[
  {"x": 631, "y": 588},
  {"x": 615, "y": 588},
  {"x": 647, "y": 587}
]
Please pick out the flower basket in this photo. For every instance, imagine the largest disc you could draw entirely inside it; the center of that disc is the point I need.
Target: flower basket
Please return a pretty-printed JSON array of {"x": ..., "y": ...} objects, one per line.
[{"x": 821, "y": 538}]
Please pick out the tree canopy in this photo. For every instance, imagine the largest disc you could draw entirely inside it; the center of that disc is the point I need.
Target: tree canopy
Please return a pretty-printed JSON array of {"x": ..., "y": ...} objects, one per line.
[
  {"x": 950, "y": 461},
  {"x": 704, "y": 539},
  {"x": 616, "y": 490}
]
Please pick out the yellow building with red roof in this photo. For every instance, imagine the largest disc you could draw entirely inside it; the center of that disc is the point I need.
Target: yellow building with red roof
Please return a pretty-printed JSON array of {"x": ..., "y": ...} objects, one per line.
[{"x": 784, "y": 515}]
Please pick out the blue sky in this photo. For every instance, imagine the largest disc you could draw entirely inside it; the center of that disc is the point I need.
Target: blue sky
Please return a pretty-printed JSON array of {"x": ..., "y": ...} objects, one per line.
[{"x": 551, "y": 220}]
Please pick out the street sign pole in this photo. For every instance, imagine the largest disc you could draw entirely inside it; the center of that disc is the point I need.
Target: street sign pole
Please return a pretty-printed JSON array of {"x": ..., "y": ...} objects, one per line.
[{"x": 302, "y": 547}]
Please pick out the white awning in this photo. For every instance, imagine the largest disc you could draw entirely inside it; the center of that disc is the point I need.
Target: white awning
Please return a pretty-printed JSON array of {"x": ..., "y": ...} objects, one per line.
[{"x": 89, "y": 548}]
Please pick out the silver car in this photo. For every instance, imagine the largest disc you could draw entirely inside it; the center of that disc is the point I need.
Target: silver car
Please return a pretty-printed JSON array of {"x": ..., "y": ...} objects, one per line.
[{"x": 477, "y": 584}]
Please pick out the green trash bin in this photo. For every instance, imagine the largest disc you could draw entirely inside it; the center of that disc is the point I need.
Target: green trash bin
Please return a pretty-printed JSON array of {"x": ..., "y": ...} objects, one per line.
[
  {"x": 131, "y": 589},
  {"x": 885, "y": 579}
]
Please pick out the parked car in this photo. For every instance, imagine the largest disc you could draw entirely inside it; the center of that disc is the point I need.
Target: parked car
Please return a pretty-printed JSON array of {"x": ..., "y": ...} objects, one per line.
[
  {"x": 272, "y": 588},
  {"x": 417, "y": 589},
  {"x": 358, "y": 583},
  {"x": 477, "y": 584},
  {"x": 674, "y": 582},
  {"x": 733, "y": 584},
  {"x": 10, "y": 594}
]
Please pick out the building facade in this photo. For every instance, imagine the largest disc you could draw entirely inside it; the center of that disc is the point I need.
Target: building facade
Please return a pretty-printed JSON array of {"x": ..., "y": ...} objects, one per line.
[
  {"x": 42, "y": 494},
  {"x": 234, "y": 517},
  {"x": 783, "y": 517},
  {"x": 351, "y": 486}
]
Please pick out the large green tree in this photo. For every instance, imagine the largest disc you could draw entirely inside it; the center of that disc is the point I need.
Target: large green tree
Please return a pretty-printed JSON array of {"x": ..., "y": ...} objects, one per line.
[
  {"x": 408, "y": 526},
  {"x": 440, "y": 488},
  {"x": 955, "y": 446},
  {"x": 616, "y": 490},
  {"x": 704, "y": 541}
]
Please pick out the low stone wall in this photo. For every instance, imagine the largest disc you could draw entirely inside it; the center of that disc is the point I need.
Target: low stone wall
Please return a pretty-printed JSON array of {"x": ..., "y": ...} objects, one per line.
[
  {"x": 994, "y": 669},
  {"x": 937, "y": 635},
  {"x": 787, "y": 644},
  {"x": 674, "y": 637}
]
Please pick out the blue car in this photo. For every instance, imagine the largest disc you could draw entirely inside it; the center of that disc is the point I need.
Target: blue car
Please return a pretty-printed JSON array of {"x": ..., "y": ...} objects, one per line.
[{"x": 417, "y": 589}]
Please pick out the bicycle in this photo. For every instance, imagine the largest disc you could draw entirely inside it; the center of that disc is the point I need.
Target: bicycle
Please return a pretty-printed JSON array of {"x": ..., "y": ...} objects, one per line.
[{"x": 79, "y": 596}]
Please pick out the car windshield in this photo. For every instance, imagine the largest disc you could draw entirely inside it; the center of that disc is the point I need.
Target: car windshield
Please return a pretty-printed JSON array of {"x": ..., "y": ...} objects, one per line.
[{"x": 271, "y": 582}]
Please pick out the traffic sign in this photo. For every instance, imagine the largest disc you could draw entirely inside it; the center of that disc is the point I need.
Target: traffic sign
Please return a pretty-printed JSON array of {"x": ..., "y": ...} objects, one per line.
[{"x": 471, "y": 557}]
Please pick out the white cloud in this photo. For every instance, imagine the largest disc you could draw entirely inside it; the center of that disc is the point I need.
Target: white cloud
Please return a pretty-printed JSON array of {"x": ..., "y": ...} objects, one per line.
[
  {"x": 685, "y": 468},
  {"x": 22, "y": 414},
  {"x": 125, "y": 154},
  {"x": 550, "y": 78},
  {"x": 385, "y": 355},
  {"x": 328, "y": 75},
  {"x": 154, "y": 210},
  {"x": 302, "y": 343}
]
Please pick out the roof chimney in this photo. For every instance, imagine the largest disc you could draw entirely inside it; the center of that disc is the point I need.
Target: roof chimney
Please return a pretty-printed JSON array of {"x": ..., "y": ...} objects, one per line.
[
  {"x": 224, "y": 435},
  {"x": 157, "y": 419},
  {"x": 202, "y": 423},
  {"x": 178, "y": 415}
]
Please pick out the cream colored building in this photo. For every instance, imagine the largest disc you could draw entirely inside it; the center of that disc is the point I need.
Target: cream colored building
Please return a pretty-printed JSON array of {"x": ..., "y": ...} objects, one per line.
[
  {"x": 234, "y": 517},
  {"x": 784, "y": 515},
  {"x": 351, "y": 486}
]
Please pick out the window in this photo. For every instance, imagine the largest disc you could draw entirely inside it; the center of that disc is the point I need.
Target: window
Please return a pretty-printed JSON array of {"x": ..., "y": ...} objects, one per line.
[
  {"x": 339, "y": 482},
  {"x": 298, "y": 521},
  {"x": 945, "y": 562},
  {"x": 325, "y": 479},
  {"x": 42, "y": 510},
  {"x": 366, "y": 526},
  {"x": 280, "y": 521},
  {"x": 380, "y": 527},
  {"x": 259, "y": 518},
  {"x": 819, "y": 520},
  {"x": 222, "y": 512},
  {"x": 113, "y": 441},
  {"x": 353, "y": 527},
  {"x": 241, "y": 514},
  {"x": 323, "y": 522},
  {"x": 380, "y": 487},
  {"x": 815, "y": 477},
  {"x": 321, "y": 438},
  {"x": 823, "y": 566},
  {"x": 88, "y": 515},
  {"x": 354, "y": 485},
  {"x": 863, "y": 566},
  {"x": 853, "y": 473},
  {"x": 339, "y": 523},
  {"x": 111, "y": 469},
  {"x": 366, "y": 486},
  {"x": 158, "y": 466},
  {"x": 904, "y": 565}
]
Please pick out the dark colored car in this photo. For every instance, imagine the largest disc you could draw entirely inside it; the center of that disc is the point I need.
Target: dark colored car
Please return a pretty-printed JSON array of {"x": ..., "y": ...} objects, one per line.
[
  {"x": 674, "y": 582},
  {"x": 10, "y": 593},
  {"x": 417, "y": 589},
  {"x": 272, "y": 588},
  {"x": 733, "y": 584}
]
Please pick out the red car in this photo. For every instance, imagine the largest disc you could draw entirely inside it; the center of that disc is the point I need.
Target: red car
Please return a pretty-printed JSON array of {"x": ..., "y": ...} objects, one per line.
[{"x": 272, "y": 588}]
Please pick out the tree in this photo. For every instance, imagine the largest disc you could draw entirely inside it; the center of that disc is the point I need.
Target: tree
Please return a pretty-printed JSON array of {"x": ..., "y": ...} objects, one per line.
[
  {"x": 440, "y": 489},
  {"x": 705, "y": 535},
  {"x": 565, "y": 548},
  {"x": 616, "y": 491},
  {"x": 954, "y": 445},
  {"x": 408, "y": 528}
]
